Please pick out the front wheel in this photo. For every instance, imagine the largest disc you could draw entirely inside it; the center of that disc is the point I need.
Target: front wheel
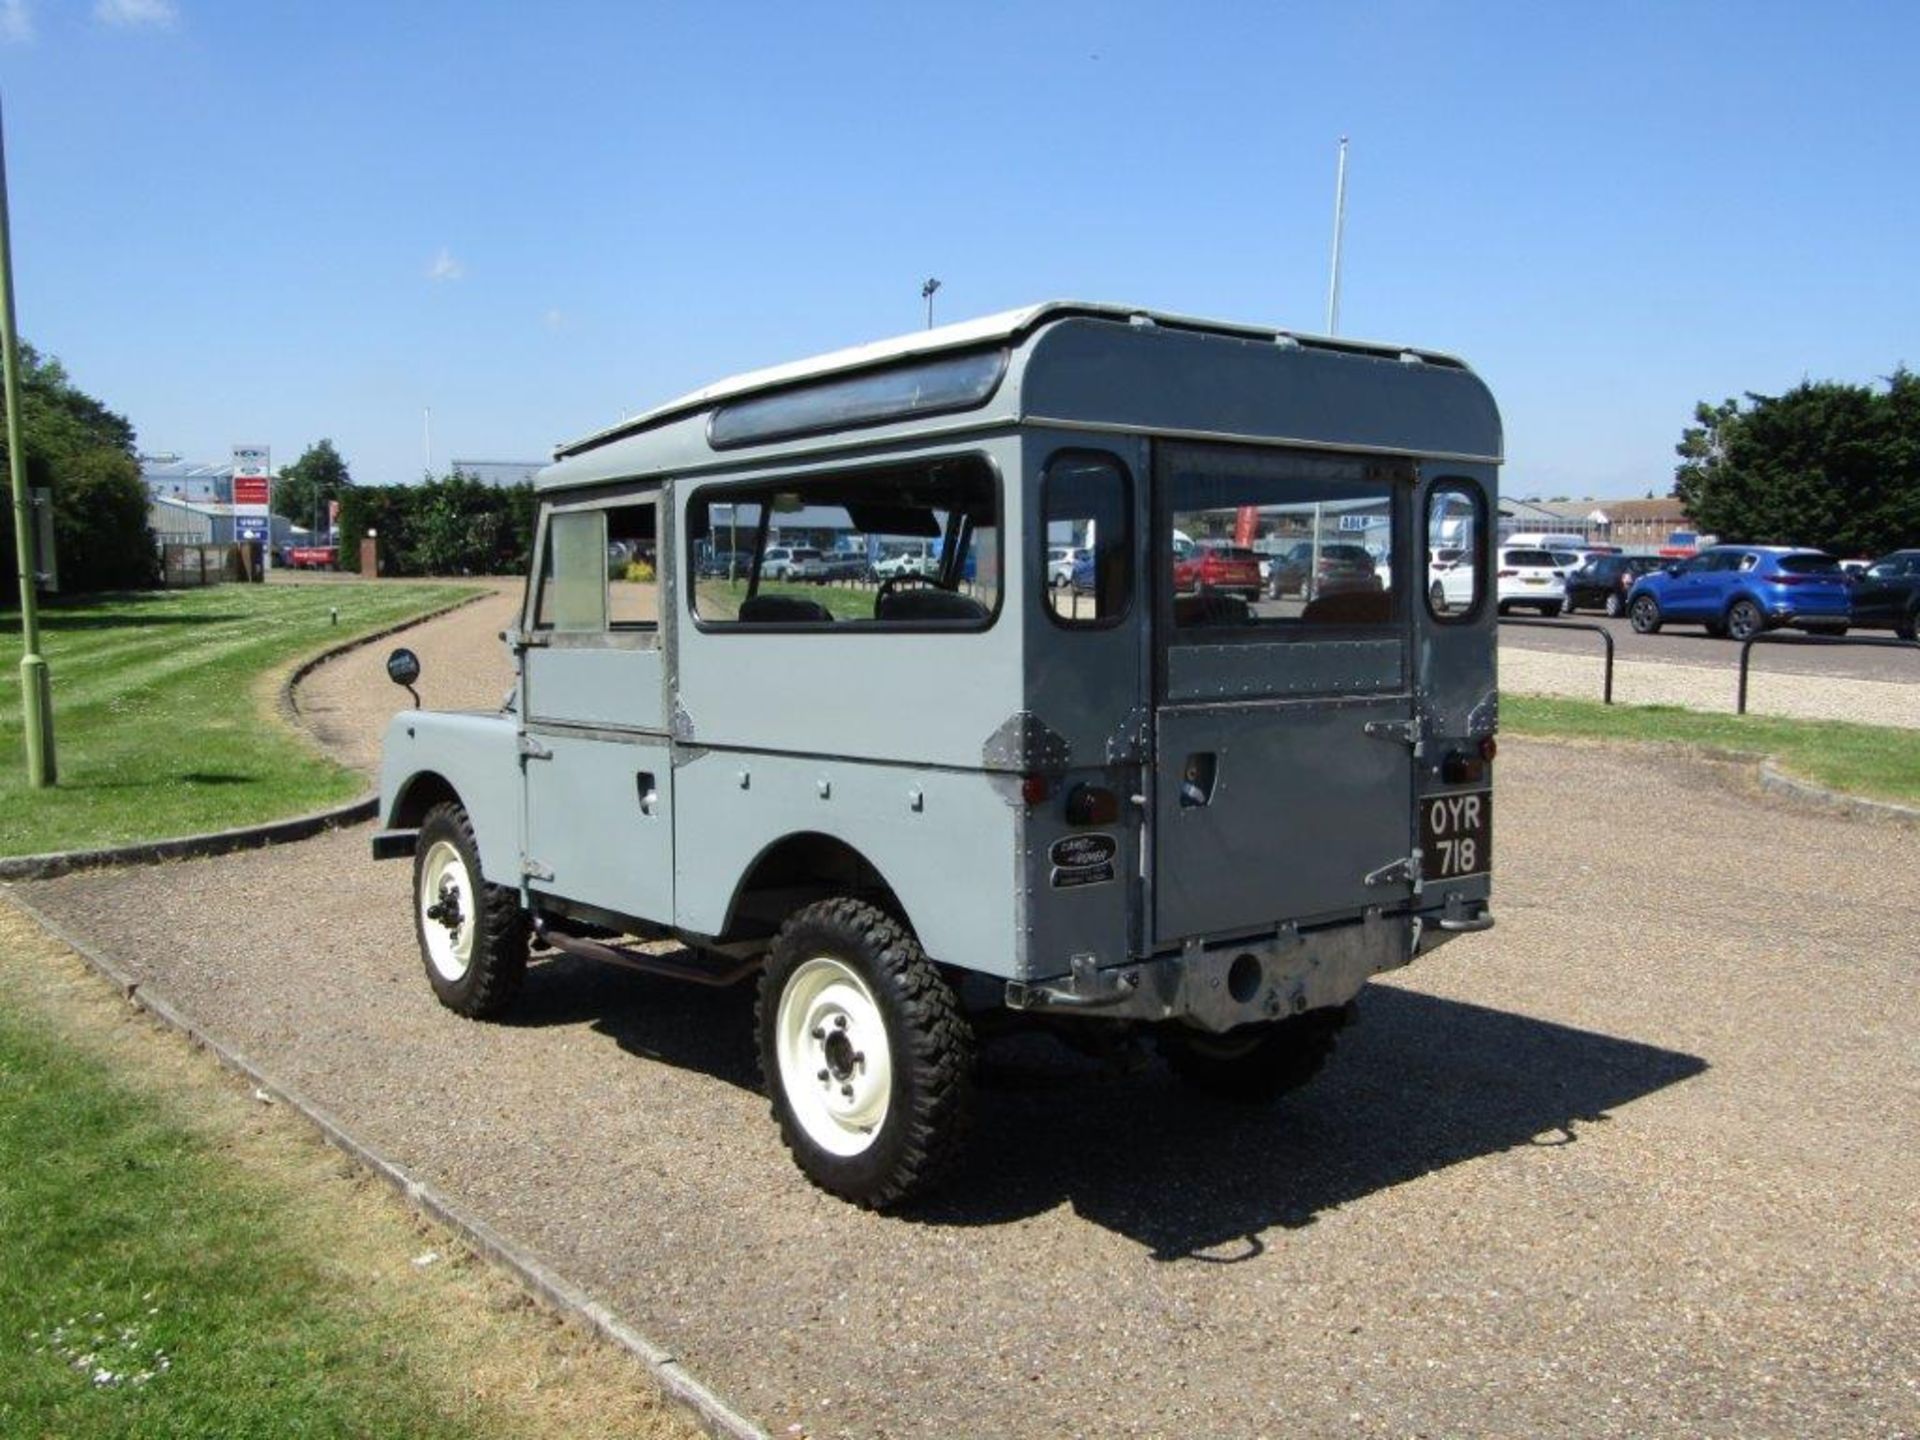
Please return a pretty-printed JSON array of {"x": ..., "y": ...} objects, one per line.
[
  {"x": 473, "y": 936},
  {"x": 1907, "y": 627},
  {"x": 1552, "y": 612},
  {"x": 1646, "y": 615},
  {"x": 865, "y": 1052},
  {"x": 1259, "y": 1062},
  {"x": 1437, "y": 598},
  {"x": 1616, "y": 604}
]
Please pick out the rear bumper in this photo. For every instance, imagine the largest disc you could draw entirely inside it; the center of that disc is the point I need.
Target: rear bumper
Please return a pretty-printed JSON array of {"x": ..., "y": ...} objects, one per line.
[{"x": 1223, "y": 984}]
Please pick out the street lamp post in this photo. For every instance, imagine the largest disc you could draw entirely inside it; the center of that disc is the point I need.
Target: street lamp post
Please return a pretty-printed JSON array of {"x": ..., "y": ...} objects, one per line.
[
  {"x": 926, "y": 294},
  {"x": 36, "y": 681}
]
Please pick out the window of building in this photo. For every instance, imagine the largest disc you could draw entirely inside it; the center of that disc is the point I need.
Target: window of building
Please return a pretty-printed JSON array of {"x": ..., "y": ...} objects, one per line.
[
  {"x": 901, "y": 546},
  {"x": 1086, "y": 539}
]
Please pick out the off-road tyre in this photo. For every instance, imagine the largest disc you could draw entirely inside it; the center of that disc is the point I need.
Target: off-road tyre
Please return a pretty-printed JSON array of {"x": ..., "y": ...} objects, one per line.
[
  {"x": 495, "y": 934},
  {"x": 1743, "y": 621},
  {"x": 1255, "y": 1063},
  {"x": 920, "y": 1136},
  {"x": 1616, "y": 604},
  {"x": 1645, "y": 615}
]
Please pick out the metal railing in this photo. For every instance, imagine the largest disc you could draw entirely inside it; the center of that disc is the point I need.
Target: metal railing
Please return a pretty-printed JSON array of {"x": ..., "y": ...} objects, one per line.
[
  {"x": 1769, "y": 638},
  {"x": 1600, "y": 630}
]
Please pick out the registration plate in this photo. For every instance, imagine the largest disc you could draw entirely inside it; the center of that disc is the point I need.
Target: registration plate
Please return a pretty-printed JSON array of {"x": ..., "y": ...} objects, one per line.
[{"x": 1456, "y": 835}]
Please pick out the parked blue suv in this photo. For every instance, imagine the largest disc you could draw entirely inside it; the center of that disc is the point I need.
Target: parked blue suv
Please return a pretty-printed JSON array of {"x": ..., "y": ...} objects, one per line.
[{"x": 1740, "y": 590}]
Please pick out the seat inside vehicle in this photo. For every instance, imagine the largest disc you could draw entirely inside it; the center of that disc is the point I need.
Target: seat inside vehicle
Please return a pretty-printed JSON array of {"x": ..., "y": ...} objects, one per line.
[
  {"x": 1210, "y": 609},
  {"x": 919, "y": 604},
  {"x": 1350, "y": 607},
  {"x": 783, "y": 610}
]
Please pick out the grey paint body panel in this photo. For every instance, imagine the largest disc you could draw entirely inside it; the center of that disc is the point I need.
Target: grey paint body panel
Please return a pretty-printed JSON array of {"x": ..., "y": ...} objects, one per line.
[{"x": 908, "y": 748}]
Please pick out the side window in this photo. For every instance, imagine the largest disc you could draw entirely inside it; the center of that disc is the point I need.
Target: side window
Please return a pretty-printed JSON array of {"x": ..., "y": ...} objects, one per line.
[
  {"x": 906, "y": 546},
  {"x": 598, "y": 571},
  {"x": 1086, "y": 539},
  {"x": 1455, "y": 536}
]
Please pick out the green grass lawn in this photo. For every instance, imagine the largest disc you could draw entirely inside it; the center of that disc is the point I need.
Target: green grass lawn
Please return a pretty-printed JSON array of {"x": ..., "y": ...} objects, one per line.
[
  {"x": 177, "y": 1259},
  {"x": 1872, "y": 760},
  {"x": 720, "y": 599},
  {"x": 159, "y": 721}
]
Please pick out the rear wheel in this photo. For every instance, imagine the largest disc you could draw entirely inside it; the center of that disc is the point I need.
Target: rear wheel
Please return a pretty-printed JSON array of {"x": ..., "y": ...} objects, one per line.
[
  {"x": 1255, "y": 1063},
  {"x": 1616, "y": 604},
  {"x": 1552, "y": 611},
  {"x": 1907, "y": 627},
  {"x": 1743, "y": 620},
  {"x": 473, "y": 936},
  {"x": 865, "y": 1052},
  {"x": 1646, "y": 615},
  {"x": 1437, "y": 598}
]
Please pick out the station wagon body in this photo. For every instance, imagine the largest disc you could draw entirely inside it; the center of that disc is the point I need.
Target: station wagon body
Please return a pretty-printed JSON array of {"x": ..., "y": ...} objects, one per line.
[{"x": 1141, "y": 806}]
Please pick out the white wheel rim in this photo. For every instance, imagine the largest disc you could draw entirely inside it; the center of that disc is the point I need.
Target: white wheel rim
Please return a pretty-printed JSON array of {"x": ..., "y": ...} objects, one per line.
[
  {"x": 444, "y": 881},
  {"x": 836, "y": 1067}
]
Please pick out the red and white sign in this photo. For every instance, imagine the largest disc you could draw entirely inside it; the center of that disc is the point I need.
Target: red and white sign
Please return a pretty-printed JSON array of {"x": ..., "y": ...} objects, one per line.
[
  {"x": 252, "y": 496},
  {"x": 251, "y": 490}
]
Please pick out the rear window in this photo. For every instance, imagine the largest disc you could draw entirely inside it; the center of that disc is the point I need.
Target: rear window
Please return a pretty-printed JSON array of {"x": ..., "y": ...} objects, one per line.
[
  {"x": 1528, "y": 557},
  {"x": 1809, "y": 564}
]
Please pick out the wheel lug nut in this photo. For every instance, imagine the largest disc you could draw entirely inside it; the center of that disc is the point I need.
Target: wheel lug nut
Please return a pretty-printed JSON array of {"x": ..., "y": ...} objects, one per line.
[
  {"x": 847, "y": 1090},
  {"x": 840, "y": 1022},
  {"x": 823, "y": 1077},
  {"x": 818, "y": 1033}
]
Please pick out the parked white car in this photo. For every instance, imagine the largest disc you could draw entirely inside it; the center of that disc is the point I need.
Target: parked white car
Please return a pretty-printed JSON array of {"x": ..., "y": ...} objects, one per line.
[
  {"x": 907, "y": 562},
  {"x": 1527, "y": 576},
  {"x": 1060, "y": 562},
  {"x": 790, "y": 562}
]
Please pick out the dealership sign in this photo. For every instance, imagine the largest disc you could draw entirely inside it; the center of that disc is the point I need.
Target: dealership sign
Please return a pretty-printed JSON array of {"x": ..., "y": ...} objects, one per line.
[{"x": 252, "y": 494}]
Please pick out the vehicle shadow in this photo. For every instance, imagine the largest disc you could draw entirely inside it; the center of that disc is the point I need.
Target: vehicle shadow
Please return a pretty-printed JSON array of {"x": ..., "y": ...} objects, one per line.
[{"x": 1418, "y": 1084}]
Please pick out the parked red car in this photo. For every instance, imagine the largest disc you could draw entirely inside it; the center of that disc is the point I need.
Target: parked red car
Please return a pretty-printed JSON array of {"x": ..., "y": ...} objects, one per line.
[{"x": 1218, "y": 567}]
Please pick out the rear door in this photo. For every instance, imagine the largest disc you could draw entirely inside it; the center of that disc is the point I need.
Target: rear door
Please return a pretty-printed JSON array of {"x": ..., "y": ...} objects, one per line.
[{"x": 1283, "y": 786}]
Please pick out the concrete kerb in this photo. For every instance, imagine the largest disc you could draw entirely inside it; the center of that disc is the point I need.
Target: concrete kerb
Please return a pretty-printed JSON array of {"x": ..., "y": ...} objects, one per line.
[
  {"x": 243, "y": 837},
  {"x": 712, "y": 1414}
]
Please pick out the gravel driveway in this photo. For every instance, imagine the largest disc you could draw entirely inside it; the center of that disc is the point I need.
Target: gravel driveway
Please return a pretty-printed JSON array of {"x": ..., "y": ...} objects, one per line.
[{"x": 1643, "y": 1160}]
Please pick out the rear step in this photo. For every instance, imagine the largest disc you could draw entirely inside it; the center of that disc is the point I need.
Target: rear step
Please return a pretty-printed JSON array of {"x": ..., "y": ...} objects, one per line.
[{"x": 672, "y": 967}]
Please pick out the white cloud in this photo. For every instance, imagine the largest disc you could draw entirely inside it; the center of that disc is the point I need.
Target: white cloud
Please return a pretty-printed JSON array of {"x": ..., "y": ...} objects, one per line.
[
  {"x": 16, "y": 22},
  {"x": 133, "y": 14},
  {"x": 445, "y": 267},
  {"x": 554, "y": 320}
]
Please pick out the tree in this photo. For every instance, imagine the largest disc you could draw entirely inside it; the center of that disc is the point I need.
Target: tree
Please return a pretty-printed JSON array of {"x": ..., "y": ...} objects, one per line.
[
  {"x": 1827, "y": 464},
  {"x": 84, "y": 453},
  {"x": 303, "y": 489}
]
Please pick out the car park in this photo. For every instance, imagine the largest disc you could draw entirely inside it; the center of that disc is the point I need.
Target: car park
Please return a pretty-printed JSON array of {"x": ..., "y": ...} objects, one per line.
[
  {"x": 1739, "y": 591},
  {"x": 1218, "y": 567},
  {"x": 1603, "y": 582},
  {"x": 1061, "y": 560},
  {"x": 1525, "y": 576},
  {"x": 1338, "y": 567},
  {"x": 1886, "y": 596},
  {"x": 1164, "y": 815},
  {"x": 791, "y": 562}
]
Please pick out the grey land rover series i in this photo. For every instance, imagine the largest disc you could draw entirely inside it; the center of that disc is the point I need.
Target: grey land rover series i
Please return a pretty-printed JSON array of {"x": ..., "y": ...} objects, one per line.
[{"x": 1176, "y": 797}]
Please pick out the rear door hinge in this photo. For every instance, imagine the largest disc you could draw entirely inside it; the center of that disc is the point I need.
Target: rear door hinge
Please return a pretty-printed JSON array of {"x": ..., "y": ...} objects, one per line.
[
  {"x": 1399, "y": 872},
  {"x": 532, "y": 749},
  {"x": 534, "y": 870}
]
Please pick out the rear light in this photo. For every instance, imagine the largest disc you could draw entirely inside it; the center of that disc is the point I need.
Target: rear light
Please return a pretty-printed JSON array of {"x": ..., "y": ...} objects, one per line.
[
  {"x": 1489, "y": 747},
  {"x": 1507, "y": 575},
  {"x": 1034, "y": 789}
]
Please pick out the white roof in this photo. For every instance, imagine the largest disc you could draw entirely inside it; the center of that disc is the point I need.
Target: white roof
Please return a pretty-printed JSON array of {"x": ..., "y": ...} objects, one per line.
[{"x": 964, "y": 334}]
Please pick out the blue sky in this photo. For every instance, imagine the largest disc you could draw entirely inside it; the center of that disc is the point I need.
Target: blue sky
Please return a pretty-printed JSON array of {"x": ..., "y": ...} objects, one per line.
[{"x": 263, "y": 221}]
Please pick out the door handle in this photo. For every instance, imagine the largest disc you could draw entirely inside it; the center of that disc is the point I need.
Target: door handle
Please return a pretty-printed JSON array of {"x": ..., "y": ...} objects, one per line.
[{"x": 649, "y": 792}]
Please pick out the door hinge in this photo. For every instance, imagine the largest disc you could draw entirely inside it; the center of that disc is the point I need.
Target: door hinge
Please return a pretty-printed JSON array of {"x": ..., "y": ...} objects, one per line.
[
  {"x": 534, "y": 870},
  {"x": 1407, "y": 732},
  {"x": 1399, "y": 872},
  {"x": 532, "y": 749}
]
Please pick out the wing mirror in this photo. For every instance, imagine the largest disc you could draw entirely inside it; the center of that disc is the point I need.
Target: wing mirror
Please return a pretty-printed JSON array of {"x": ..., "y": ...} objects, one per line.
[
  {"x": 1673, "y": 569},
  {"x": 403, "y": 668}
]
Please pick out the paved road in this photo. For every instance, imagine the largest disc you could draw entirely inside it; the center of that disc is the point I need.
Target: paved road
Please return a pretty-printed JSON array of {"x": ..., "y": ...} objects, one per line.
[
  {"x": 1644, "y": 1160},
  {"x": 1690, "y": 645}
]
